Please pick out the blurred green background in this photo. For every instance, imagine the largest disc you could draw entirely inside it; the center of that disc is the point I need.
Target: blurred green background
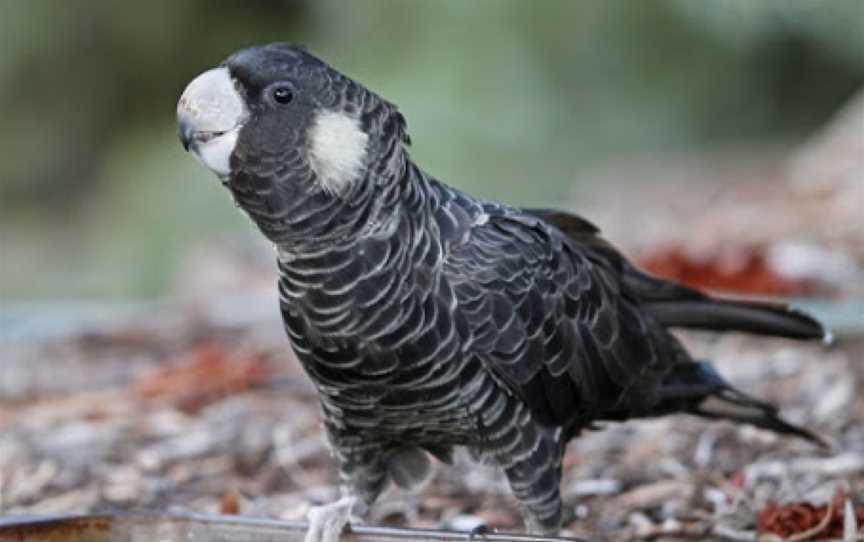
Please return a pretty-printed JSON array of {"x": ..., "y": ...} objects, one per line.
[{"x": 509, "y": 99}]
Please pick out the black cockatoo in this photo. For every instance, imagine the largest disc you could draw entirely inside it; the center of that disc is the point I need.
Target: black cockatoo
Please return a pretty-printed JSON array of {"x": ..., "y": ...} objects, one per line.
[{"x": 430, "y": 319}]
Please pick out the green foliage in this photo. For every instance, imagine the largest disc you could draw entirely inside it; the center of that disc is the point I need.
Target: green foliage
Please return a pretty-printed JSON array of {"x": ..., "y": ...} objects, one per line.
[{"x": 505, "y": 98}]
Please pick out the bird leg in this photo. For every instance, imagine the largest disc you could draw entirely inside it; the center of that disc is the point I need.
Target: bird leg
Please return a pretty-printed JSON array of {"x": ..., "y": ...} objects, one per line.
[
  {"x": 535, "y": 481},
  {"x": 364, "y": 476}
]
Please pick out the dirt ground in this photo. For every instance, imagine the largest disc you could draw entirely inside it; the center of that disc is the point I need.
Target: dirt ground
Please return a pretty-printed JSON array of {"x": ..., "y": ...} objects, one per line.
[{"x": 195, "y": 414}]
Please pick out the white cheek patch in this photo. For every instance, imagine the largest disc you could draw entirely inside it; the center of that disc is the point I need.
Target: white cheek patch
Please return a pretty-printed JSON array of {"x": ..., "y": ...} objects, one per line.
[
  {"x": 337, "y": 151},
  {"x": 215, "y": 154}
]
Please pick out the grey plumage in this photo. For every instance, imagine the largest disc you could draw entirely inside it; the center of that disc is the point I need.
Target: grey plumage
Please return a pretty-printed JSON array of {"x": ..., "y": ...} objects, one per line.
[{"x": 430, "y": 319}]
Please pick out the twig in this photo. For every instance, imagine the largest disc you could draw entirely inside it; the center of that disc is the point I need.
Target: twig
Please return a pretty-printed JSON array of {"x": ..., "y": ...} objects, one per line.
[
  {"x": 850, "y": 523},
  {"x": 675, "y": 528},
  {"x": 188, "y": 527},
  {"x": 735, "y": 535}
]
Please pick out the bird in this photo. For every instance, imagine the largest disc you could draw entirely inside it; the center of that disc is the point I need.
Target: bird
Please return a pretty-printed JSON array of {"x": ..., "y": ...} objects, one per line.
[{"x": 430, "y": 320}]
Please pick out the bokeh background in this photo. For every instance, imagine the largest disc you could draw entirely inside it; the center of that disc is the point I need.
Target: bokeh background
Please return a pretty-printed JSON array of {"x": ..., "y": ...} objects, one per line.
[
  {"x": 142, "y": 361},
  {"x": 512, "y": 100}
]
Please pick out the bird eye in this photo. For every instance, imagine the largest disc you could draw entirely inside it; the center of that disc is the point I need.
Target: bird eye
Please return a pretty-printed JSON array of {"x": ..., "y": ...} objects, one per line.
[{"x": 283, "y": 95}]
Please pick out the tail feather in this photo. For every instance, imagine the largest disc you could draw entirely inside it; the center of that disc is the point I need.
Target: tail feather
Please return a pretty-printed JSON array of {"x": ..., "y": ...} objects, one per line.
[
  {"x": 675, "y": 305},
  {"x": 731, "y": 404},
  {"x": 698, "y": 389},
  {"x": 750, "y": 316}
]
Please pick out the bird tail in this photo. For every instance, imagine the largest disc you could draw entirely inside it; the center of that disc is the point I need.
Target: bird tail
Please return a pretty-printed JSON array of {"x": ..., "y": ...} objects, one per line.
[
  {"x": 674, "y": 305},
  {"x": 751, "y": 316},
  {"x": 697, "y": 388}
]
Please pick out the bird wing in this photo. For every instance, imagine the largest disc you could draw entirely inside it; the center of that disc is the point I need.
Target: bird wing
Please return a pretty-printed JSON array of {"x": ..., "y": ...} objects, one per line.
[
  {"x": 672, "y": 304},
  {"x": 548, "y": 316}
]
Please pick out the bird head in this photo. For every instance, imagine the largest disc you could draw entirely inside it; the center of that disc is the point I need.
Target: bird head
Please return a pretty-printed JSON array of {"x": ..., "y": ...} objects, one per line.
[{"x": 289, "y": 134}]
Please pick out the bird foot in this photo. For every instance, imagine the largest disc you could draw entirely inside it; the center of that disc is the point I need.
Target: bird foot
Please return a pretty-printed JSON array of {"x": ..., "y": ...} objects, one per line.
[
  {"x": 327, "y": 522},
  {"x": 480, "y": 532}
]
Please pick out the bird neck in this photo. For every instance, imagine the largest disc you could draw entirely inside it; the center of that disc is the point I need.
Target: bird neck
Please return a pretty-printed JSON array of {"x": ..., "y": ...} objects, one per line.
[{"x": 313, "y": 220}]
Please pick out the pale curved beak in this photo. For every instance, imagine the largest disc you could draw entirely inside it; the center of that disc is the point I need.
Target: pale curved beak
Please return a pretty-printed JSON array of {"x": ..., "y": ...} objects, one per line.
[{"x": 210, "y": 114}]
